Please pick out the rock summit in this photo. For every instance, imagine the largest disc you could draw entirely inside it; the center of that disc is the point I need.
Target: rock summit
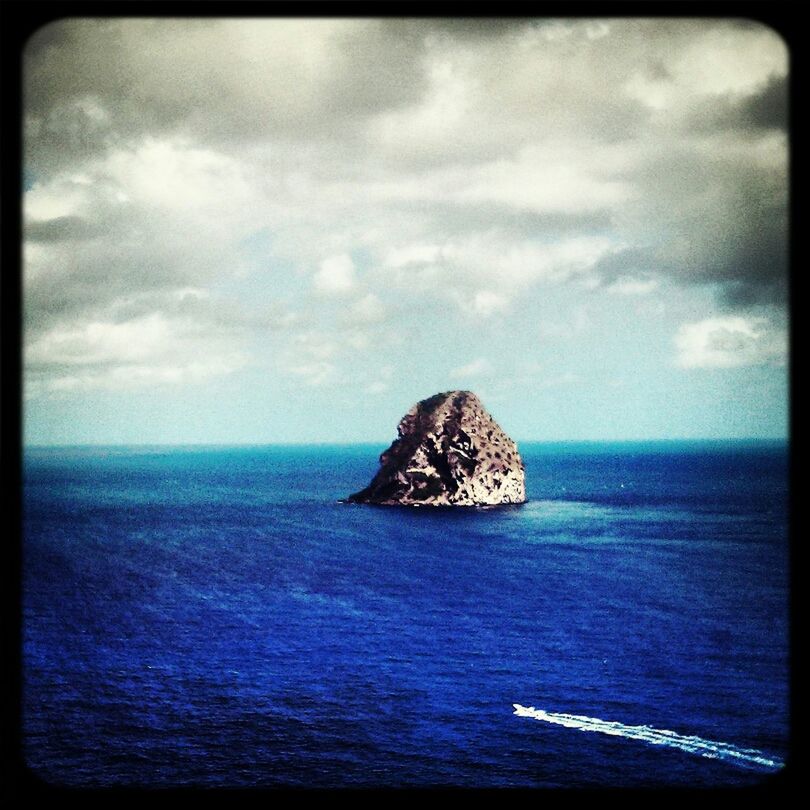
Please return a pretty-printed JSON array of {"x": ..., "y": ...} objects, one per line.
[{"x": 449, "y": 452}]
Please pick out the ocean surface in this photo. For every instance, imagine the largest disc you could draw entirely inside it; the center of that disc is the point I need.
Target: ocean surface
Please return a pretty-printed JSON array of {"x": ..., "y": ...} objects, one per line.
[{"x": 215, "y": 617}]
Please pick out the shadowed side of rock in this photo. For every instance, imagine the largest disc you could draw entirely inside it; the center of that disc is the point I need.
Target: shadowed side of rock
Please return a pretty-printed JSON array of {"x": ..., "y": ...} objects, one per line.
[{"x": 449, "y": 452}]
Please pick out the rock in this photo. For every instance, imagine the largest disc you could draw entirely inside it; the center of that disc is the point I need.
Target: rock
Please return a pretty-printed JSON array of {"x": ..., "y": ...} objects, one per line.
[{"x": 450, "y": 452}]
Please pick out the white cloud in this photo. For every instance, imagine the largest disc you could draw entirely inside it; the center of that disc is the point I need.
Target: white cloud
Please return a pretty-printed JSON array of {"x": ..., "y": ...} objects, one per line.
[
  {"x": 427, "y": 126},
  {"x": 369, "y": 309},
  {"x": 512, "y": 263},
  {"x": 730, "y": 341},
  {"x": 165, "y": 177},
  {"x": 597, "y": 29},
  {"x": 476, "y": 368},
  {"x": 315, "y": 373},
  {"x": 315, "y": 345},
  {"x": 138, "y": 222},
  {"x": 477, "y": 162},
  {"x": 336, "y": 275},
  {"x": 483, "y": 271},
  {"x": 311, "y": 357},
  {"x": 412, "y": 254},
  {"x": 554, "y": 178},
  {"x": 178, "y": 176},
  {"x": 721, "y": 60},
  {"x": 486, "y": 303},
  {"x": 627, "y": 285},
  {"x": 145, "y": 351},
  {"x": 94, "y": 342}
]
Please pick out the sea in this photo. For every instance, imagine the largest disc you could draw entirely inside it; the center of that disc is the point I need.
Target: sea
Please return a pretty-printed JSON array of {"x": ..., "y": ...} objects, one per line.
[{"x": 217, "y": 617}]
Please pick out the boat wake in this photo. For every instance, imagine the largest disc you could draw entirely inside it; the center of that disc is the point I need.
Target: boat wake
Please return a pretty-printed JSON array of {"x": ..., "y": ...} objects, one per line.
[{"x": 744, "y": 757}]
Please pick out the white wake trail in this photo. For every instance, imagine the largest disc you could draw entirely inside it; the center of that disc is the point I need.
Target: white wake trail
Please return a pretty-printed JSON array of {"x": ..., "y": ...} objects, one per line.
[{"x": 745, "y": 757}]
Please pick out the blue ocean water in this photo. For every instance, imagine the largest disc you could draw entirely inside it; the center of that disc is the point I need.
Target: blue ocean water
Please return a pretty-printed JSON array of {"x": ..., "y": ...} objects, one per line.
[{"x": 215, "y": 617}]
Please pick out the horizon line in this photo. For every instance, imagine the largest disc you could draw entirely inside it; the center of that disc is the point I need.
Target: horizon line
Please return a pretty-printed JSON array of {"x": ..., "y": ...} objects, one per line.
[{"x": 368, "y": 442}]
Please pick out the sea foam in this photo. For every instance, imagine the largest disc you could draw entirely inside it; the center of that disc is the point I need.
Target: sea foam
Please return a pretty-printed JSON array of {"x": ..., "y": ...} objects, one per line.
[{"x": 744, "y": 757}]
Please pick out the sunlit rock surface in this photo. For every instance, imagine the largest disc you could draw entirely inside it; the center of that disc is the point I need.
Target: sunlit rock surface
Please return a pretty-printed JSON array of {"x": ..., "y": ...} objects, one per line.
[{"x": 450, "y": 452}]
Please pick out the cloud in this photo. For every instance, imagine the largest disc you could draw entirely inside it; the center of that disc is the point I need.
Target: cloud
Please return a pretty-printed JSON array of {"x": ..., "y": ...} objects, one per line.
[
  {"x": 226, "y": 79},
  {"x": 315, "y": 345},
  {"x": 311, "y": 356},
  {"x": 628, "y": 285},
  {"x": 61, "y": 229},
  {"x": 764, "y": 109},
  {"x": 164, "y": 216},
  {"x": 476, "y": 368},
  {"x": 367, "y": 310},
  {"x": 336, "y": 275},
  {"x": 316, "y": 373},
  {"x": 469, "y": 268},
  {"x": 144, "y": 351},
  {"x": 455, "y": 164},
  {"x": 551, "y": 179},
  {"x": 722, "y": 220},
  {"x": 486, "y": 303},
  {"x": 730, "y": 342}
]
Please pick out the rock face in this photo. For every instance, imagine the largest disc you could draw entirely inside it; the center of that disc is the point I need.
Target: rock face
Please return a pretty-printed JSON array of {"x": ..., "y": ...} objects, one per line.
[{"x": 450, "y": 452}]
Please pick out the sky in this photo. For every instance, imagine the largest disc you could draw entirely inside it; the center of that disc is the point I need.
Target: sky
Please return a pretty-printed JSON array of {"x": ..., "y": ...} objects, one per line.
[{"x": 291, "y": 230}]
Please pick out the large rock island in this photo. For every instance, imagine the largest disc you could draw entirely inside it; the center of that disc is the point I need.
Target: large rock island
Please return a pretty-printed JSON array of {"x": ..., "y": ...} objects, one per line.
[{"x": 450, "y": 452}]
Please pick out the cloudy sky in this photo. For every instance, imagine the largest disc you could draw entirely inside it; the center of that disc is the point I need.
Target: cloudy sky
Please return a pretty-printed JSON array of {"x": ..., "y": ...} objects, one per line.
[{"x": 289, "y": 230}]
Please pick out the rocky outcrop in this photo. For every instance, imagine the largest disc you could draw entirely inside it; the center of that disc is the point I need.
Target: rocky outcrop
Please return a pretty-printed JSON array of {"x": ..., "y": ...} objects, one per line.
[{"x": 450, "y": 452}]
